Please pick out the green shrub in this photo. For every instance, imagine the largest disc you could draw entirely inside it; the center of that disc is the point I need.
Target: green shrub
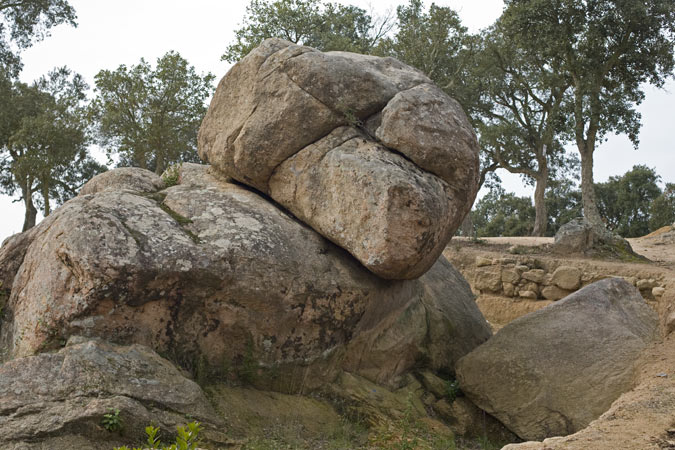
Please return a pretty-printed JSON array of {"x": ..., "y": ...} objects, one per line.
[
  {"x": 112, "y": 421},
  {"x": 171, "y": 175},
  {"x": 452, "y": 390},
  {"x": 187, "y": 439}
]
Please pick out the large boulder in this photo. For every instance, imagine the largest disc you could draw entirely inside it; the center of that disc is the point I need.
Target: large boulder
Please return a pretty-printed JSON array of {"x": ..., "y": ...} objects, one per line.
[
  {"x": 365, "y": 150},
  {"x": 214, "y": 276},
  {"x": 387, "y": 212},
  {"x": 553, "y": 371},
  {"x": 57, "y": 400}
]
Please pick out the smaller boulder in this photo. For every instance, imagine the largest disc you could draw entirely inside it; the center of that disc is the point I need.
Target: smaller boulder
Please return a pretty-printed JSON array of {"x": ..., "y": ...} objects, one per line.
[
  {"x": 58, "y": 399},
  {"x": 546, "y": 373},
  {"x": 581, "y": 237},
  {"x": 131, "y": 178},
  {"x": 554, "y": 293},
  {"x": 646, "y": 284},
  {"x": 510, "y": 276},
  {"x": 567, "y": 277}
]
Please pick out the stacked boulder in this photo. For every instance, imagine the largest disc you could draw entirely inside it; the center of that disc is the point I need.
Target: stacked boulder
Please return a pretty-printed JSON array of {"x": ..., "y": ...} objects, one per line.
[
  {"x": 240, "y": 269},
  {"x": 365, "y": 150}
]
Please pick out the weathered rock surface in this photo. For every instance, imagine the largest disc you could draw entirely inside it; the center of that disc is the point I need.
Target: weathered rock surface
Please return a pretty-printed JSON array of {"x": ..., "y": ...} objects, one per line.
[
  {"x": 57, "y": 400},
  {"x": 567, "y": 277},
  {"x": 211, "y": 274},
  {"x": 551, "y": 372},
  {"x": 383, "y": 209},
  {"x": 133, "y": 178},
  {"x": 365, "y": 150},
  {"x": 581, "y": 237}
]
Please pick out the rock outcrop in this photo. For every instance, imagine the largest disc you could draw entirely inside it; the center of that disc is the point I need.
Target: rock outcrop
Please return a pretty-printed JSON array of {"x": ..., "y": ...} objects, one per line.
[
  {"x": 365, "y": 150},
  {"x": 212, "y": 274},
  {"x": 304, "y": 260},
  {"x": 57, "y": 400},
  {"x": 553, "y": 371}
]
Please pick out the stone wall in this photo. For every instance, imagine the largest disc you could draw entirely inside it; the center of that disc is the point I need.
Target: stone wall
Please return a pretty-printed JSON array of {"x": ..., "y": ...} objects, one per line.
[{"x": 535, "y": 279}]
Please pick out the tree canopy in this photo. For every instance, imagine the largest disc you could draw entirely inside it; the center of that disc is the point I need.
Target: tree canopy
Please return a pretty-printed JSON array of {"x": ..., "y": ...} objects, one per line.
[
  {"x": 324, "y": 26},
  {"x": 662, "y": 210},
  {"x": 624, "y": 201},
  {"x": 607, "y": 50},
  {"x": 519, "y": 117},
  {"x": 24, "y": 21},
  {"x": 44, "y": 141},
  {"x": 150, "y": 117}
]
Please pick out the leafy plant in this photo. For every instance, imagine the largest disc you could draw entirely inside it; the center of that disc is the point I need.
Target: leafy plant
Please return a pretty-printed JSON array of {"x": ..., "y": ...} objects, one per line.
[
  {"x": 187, "y": 439},
  {"x": 452, "y": 390},
  {"x": 112, "y": 421},
  {"x": 248, "y": 370},
  {"x": 171, "y": 175}
]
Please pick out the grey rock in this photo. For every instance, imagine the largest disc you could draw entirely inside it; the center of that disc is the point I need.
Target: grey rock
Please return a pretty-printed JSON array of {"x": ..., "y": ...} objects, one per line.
[
  {"x": 130, "y": 178},
  {"x": 546, "y": 374},
  {"x": 581, "y": 237},
  {"x": 57, "y": 400},
  {"x": 301, "y": 126},
  {"x": 212, "y": 270}
]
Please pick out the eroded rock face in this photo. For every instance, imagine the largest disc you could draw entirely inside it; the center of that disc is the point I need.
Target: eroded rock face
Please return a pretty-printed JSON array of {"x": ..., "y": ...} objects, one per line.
[
  {"x": 553, "y": 371},
  {"x": 394, "y": 159},
  {"x": 209, "y": 272},
  {"x": 369, "y": 201},
  {"x": 57, "y": 400},
  {"x": 133, "y": 178}
]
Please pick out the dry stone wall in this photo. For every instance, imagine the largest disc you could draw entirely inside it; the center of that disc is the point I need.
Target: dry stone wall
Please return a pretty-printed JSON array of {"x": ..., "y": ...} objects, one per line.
[{"x": 531, "y": 278}]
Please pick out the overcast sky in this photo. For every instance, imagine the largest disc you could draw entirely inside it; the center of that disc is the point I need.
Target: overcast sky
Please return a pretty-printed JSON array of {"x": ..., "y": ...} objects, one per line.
[{"x": 114, "y": 32}]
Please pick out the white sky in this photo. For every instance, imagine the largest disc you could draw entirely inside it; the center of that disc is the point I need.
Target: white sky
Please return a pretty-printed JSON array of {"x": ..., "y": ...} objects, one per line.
[{"x": 114, "y": 32}]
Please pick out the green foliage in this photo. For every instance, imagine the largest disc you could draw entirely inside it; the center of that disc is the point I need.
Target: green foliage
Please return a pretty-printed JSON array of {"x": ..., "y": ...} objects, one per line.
[
  {"x": 247, "y": 371},
  {"x": 187, "y": 438},
  {"x": 563, "y": 203},
  {"x": 112, "y": 421},
  {"x": 325, "y": 26},
  {"x": 500, "y": 213},
  {"x": 150, "y": 117},
  {"x": 607, "y": 51},
  {"x": 431, "y": 41},
  {"x": 452, "y": 390},
  {"x": 44, "y": 139},
  {"x": 23, "y": 22},
  {"x": 662, "y": 211},
  {"x": 171, "y": 175},
  {"x": 624, "y": 201}
]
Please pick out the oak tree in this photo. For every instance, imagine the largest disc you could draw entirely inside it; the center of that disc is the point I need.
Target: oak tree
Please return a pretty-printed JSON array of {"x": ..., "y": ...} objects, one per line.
[{"x": 149, "y": 117}]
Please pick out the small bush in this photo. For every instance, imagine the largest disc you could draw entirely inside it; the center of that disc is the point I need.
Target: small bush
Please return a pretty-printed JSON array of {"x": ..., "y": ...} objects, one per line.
[
  {"x": 112, "y": 421},
  {"x": 171, "y": 175},
  {"x": 452, "y": 390},
  {"x": 187, "y": 439}
]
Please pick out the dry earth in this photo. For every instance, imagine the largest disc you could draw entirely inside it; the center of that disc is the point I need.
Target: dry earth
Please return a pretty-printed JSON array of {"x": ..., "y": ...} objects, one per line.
[{"x": 643, "y": 418}]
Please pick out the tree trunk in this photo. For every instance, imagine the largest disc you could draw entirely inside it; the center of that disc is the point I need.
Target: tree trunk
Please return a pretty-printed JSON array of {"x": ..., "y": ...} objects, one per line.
[
  {"x": 30, "y": 215},
  {"x": 159, "y": 167},
  {"x": 45, "y": 196},
  {"x": 467, "y": 226},
  {"x": 541, "y": 215},
  {"x": 591, "y": 212}
]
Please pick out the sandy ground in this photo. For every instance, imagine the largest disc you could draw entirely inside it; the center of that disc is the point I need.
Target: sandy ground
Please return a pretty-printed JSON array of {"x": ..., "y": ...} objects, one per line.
[
  {"x": 659, "y": 248},
  {"x": 643, "y": 418}
]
